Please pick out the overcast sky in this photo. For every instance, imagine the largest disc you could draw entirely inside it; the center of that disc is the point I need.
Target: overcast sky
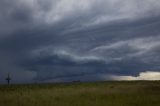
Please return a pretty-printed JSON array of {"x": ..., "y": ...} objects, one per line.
[{"x": 87, "y": 40}]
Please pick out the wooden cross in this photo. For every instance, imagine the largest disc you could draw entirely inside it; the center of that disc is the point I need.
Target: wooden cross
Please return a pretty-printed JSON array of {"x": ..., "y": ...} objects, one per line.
[{"x": 8, "y": 79}]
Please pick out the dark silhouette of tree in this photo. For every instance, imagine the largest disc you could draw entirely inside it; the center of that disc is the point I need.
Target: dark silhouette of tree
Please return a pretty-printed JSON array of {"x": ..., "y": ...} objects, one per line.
[{"x": 8, "y": 79}]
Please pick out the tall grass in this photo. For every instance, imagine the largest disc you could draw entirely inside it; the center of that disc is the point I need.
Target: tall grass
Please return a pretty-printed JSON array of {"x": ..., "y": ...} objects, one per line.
[{"x": 82, "y": 94}]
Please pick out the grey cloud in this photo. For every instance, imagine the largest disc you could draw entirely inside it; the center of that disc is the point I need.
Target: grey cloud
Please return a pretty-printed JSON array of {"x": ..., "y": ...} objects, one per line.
[{"x": 67, "y": 38}]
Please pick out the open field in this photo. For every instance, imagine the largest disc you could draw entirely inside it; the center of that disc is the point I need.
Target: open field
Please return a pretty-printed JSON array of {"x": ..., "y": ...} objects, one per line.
[{"x": 140, "y": 93}]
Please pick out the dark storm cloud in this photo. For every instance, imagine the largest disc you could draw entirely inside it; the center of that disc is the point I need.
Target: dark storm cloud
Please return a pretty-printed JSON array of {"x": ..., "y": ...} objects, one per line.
[
  {"x": 78, "y": 40},
  {"x": 13, "y": 16}
]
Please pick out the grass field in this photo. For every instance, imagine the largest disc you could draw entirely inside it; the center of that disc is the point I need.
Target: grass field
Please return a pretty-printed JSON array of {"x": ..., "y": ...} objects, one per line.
[{"x": 140, "y": 93}]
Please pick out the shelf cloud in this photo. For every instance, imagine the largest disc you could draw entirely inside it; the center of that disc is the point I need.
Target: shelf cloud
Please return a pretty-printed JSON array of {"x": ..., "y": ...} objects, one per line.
[{"x": 59, "y": 40}]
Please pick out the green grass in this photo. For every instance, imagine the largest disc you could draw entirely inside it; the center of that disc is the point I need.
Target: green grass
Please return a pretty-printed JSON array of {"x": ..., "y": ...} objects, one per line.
[{"x": 140, "y": 93}]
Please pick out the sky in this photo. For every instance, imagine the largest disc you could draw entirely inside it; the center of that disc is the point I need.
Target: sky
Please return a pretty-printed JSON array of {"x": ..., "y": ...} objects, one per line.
[{"x": 87, "y": 40}]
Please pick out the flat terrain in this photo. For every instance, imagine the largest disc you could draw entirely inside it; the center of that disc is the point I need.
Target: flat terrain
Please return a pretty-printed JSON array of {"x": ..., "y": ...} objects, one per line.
[{"x": 136, "y": 93}]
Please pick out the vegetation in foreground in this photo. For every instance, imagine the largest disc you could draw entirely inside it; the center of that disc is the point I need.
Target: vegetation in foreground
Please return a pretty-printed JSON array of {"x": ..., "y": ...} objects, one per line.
[{"x": 138, "y": 93}]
